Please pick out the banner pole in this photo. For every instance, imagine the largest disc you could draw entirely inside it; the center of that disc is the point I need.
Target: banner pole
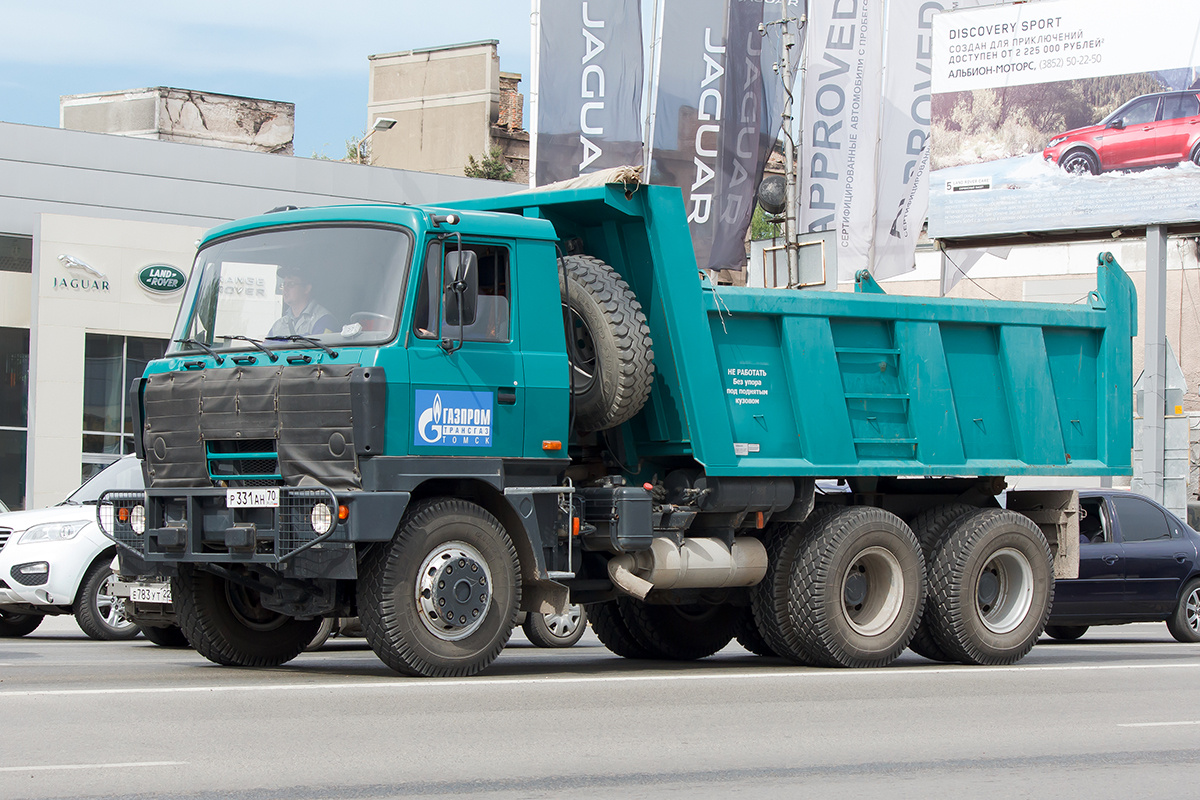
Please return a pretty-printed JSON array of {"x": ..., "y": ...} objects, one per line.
[
  {"x": 535, "y": 64},
  {"x": 790, "y": 237},
  {"x": 652, "y": 104}
]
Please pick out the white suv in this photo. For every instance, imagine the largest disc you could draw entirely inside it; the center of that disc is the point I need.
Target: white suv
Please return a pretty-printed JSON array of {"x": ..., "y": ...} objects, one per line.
[{"x": 56, "y": 561}]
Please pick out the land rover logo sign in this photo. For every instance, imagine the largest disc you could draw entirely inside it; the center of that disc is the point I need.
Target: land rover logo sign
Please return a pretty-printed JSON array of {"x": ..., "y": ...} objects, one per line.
[{"x": 162, "y": 278}]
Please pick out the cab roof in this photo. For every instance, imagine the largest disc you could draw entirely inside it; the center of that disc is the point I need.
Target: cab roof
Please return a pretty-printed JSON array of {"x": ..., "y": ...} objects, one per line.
[{"x": 415, "y": 218}]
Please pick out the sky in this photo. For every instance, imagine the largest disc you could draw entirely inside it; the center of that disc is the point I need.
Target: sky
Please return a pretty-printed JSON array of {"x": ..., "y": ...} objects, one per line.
[{"x": 313, "y": 54}]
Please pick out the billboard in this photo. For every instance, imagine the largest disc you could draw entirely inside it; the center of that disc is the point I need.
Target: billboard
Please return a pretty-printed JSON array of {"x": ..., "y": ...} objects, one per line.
[
  {"x": 1064, "y": 115},
  {"x": 587, "y": 88}
]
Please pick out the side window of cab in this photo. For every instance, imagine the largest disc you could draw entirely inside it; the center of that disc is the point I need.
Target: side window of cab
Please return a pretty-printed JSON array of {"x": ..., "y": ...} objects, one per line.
[{"x": 493, "y": 310}]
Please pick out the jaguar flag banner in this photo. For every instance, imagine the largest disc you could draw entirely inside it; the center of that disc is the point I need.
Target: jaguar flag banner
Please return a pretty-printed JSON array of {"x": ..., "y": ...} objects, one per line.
[
  {"x": 717, "y": 114},
  {"x": 841, "y": 124},
  {"x": 587, "y": 87},
  {"x": 902, "y": 190},
  {"x": 752, "y": 121}
]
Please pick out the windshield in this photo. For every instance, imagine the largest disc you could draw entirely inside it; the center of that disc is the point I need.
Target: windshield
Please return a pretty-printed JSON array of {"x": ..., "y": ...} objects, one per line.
[
  {"x": 336, "y": 285},
  {"x": 119, "y": 475}
]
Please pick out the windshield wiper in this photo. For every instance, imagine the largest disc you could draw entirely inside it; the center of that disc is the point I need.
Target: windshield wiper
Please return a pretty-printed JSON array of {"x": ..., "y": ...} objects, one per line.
[
  {"x": 257, "y": 344},
  {"x": 202, "y": 346},
  {"x": 295, "y": 337}
]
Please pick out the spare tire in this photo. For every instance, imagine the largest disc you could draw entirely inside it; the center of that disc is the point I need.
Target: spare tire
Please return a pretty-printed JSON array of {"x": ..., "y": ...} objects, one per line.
[{"x": 608, "y": 343}]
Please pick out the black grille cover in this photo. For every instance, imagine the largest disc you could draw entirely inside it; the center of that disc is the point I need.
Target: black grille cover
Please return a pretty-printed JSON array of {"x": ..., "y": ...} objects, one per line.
[{"x": 305, "y": 410}]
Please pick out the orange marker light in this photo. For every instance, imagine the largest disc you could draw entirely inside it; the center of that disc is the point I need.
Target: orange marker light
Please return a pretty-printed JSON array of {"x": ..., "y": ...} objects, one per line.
[
  {"x": 123, "y": 514},
  {"x": 343, "y": 512},
  {"x": 575, "y": 526},
  {"x": 551, "y": 444},
  {"x": 759, "y": 521}
]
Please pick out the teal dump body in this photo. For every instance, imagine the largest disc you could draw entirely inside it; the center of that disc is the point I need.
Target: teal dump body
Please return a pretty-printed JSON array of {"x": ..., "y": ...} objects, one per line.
[{"x": 804, "y": 383}]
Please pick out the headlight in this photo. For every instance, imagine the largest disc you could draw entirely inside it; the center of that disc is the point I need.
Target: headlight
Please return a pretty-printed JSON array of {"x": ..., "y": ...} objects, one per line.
[
  {"x": 321, "y": 518},
  {"x": 137, "y": 519},
  {"x": 1057, "y": 140},
  {"x": 52, "y": 532}
]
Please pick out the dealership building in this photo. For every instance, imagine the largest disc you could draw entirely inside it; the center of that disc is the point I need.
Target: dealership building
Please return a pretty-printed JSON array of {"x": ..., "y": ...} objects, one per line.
[{"x": 96, "y": 232}]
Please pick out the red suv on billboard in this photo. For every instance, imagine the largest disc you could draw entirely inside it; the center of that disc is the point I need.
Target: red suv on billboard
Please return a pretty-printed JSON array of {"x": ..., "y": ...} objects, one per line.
[{"x": 1149, "y": 131}]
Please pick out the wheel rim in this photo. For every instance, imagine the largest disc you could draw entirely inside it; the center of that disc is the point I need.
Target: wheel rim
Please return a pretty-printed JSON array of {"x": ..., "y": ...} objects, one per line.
[
  {"x": 872, "y": 591},
  {"x": 564, "y": 625},
  {"x": 583, "y": 355},
  {"x": 454, "y": 591},
  {"x": 247, "y": 608},
  {"x": 1078, "y": 165},
  {"x": 1004, "y": 591},
  {"x": 110, "y": 608},
  {"x": 1191, "y": 612}
]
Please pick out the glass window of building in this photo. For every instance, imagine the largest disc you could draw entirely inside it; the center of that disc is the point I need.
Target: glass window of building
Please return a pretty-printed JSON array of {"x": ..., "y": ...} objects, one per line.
[
  {"x": 110, "y": 365},
  {"x": 14, "y": 414},
  {"x": 16, "y": 253}
]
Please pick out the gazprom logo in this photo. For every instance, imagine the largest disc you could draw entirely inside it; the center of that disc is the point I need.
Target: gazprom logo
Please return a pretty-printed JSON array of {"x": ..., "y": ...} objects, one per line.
[{"x": 453, "y": 419}]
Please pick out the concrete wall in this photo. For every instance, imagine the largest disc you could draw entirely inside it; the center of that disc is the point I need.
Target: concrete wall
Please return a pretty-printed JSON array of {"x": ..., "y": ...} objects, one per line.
[
  {"x": 183, "y": 115},
  {"x": 445, "y": 100}
]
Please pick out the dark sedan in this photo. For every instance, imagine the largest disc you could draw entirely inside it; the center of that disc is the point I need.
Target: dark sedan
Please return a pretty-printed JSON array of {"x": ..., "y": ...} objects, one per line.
[{"x": 1137, "y": 563}]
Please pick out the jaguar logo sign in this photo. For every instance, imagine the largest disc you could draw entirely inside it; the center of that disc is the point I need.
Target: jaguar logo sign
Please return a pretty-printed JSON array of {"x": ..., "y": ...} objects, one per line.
[{"x": 161, "y": 278}]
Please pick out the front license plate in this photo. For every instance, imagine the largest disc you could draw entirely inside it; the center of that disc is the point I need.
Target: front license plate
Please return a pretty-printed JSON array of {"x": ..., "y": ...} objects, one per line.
[
  {"x": 155, "y": 593},
  {"x": 252, "y": 498}
]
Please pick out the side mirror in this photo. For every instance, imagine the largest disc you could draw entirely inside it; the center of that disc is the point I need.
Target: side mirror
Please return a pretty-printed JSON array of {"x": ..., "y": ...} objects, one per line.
[
  {"x": 461, "y": 287},
  {"x": 1118, "y": 123}
]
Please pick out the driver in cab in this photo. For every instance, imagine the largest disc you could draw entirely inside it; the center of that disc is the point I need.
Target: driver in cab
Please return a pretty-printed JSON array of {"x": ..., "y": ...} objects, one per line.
[{"x": 302, "y": 316}]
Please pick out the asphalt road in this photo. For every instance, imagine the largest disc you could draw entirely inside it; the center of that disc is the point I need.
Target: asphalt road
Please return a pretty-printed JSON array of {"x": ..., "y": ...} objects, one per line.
[{"x": 1116, "y": 714}]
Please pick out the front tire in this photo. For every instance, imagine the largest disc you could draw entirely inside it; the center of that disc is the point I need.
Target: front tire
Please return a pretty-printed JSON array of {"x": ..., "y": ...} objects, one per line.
[
  {"x": 228, "y": 624},
  {"x": 991, "y": 585},
  {"x": 1184, "y": 624},
  {"x": 440, "y": 599},
  {"x": 14, "y": 625},
  {"x": 1080, "y": 162},
  {"x": 857, "y": 589},
  {"x": 99, "y": 613}
]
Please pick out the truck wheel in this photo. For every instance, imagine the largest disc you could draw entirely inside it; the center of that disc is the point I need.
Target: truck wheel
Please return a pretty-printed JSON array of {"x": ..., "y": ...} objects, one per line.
[
  {"x": 1066, "y": 633},
  {"x": 170, "y": 636},
  {"x": 556, "y": 630},
  {"x": 930, "y": 526},
  {"x": 746, "y": 631},
  {"x": 1184, "y": 624},
  {"x": 101, "y": 615},
  {"x": 440, "y": 600},
  {"x": 612, "y": 360},
  {"x": 613, "y": 633},
  {"x": 990, "y": 588},
  {"x": 769, "y": 598},
  {"x": 228, "y": 624},
  {"x": 13, "y": 625},
  {"x": 678, "y": 633},
  {"x": 857, "y": 589}
]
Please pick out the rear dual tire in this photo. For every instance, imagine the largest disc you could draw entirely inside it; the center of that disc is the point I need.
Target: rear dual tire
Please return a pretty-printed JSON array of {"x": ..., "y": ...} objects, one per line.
[
  {"x": 991, "y": 585},
  {"x": 845, "y": 588}
]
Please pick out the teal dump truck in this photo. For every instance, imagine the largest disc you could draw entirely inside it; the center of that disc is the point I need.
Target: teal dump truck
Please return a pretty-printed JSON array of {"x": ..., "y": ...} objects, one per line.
[{"x": 435, "y": 418}]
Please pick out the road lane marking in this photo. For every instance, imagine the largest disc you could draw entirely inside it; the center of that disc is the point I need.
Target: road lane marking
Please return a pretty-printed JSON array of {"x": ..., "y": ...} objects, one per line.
[
  {"x": 1155, "y": 724},
  {"x": 51, "y": 767},
  {"x": 440, "y": 683}
]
